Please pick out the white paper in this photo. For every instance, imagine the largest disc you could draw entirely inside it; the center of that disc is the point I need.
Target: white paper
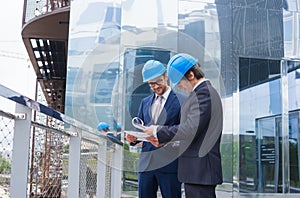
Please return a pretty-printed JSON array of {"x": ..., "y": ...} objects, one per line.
[{"x": 139, "y": 135}]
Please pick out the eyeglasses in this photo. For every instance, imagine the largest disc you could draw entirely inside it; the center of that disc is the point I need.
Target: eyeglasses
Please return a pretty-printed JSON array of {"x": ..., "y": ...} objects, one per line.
[{"x": 157, "y": 82}]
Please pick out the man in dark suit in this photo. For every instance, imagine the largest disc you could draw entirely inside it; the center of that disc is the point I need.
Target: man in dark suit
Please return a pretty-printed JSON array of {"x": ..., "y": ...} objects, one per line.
[
  {"x": 157, "y": 166},
  {"x": 199, "y": 131}
]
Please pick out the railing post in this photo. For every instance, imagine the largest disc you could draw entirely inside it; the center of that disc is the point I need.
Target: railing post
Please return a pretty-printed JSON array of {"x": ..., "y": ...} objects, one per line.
[
  {"x": 101, "y": 169},
  {"x": 20, "y": 153},
  {"x": 74, "y": 164},
  {"x": 116, "y": 171}
]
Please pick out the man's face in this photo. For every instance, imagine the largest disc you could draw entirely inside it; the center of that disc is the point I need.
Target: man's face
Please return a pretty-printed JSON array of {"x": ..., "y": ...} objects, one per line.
[
  {"x": 104, "y": 131},
  {"x": 185, "y": 85},
  {"x": 159, "y": 85}
]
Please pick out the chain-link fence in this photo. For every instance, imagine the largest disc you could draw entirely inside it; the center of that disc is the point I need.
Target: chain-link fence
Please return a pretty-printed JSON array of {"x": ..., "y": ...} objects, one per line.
[
  {"x": 48, "y": 161},
  {"x": 88, "y": 171},
  {"x": 6, "y": 143}
]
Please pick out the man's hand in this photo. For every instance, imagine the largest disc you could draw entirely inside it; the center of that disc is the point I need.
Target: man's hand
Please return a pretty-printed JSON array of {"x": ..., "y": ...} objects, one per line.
[
  {"x": 130, "y": 138},
  {"x": 154, "y": 141},
  {"x": 150, "y": 130}
]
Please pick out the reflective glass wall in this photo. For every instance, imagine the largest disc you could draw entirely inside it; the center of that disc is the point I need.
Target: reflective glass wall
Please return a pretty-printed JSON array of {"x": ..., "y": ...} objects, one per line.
[{"x": 248, "y": 49}]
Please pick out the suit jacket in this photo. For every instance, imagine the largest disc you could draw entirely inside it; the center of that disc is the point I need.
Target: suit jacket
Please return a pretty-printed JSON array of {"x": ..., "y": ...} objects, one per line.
[
  {"x": 199, "y": 134},
  {"x": 159, "y": 158}
]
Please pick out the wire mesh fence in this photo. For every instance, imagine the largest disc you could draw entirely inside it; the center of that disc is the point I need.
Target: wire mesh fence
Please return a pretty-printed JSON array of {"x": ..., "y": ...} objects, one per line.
[
  {"x": 6, "y": 143},
  {"x": 48, "y": 161},
  {"x": 88, "y": 171}
]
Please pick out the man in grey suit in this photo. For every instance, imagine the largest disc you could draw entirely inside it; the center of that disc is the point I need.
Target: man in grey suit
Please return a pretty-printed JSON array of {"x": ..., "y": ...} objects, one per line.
[{"x": 199, "y": 131}]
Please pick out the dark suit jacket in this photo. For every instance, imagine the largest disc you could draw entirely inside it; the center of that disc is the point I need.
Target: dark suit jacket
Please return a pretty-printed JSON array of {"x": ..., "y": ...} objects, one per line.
[
  {"x": 200, "y": 126},
  {"x": 160, "y": 158}
]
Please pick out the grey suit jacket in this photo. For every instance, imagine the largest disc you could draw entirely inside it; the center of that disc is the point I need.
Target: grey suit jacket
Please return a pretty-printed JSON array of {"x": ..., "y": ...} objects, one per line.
[{"x": 199, "y": 133}]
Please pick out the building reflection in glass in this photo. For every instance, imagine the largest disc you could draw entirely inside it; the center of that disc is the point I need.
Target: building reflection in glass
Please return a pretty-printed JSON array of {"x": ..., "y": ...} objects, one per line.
[{"x": 242, "y": 46}]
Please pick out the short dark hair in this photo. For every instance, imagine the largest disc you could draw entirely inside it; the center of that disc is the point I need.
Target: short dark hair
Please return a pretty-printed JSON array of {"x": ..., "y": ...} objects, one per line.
[
  {"x": 106, "y": 129},
  {"x": 198, "y": 73}
]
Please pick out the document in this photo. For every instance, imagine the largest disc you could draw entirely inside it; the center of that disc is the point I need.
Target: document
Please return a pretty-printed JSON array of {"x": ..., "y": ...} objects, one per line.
[{"x": 140, "y": 135}]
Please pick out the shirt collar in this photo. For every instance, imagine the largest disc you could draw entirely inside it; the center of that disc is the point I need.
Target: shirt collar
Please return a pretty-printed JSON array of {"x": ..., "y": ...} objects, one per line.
[
  {"x": 201, "y": 81},
  {"x": 166, "y": 94}
]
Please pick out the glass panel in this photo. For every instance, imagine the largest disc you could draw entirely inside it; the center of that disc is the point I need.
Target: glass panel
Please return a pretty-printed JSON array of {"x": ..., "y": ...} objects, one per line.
[
  {"x": 294, "y": 127},
  {"x": 199, "y": 35},
  {"x": 260, "y": 93},
  {"x": 294, "y": 137},
  {"x": 248, "y": 165},
  {"x": 255, "y": 71},
  {"x": 268, "y": 155},
  {"x": 263, "y": 99},
  {"x": 274, "y": 159},
  {"x": 93, "y": 62}
]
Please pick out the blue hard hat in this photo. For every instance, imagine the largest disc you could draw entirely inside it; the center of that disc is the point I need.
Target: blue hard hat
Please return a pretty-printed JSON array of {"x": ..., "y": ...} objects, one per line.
[
  {"x": 102, "y": 126},
  {"x": 178, "y": 65},
  {"x": 152, "y": 69},
  {"x": 119, "y": 127}
]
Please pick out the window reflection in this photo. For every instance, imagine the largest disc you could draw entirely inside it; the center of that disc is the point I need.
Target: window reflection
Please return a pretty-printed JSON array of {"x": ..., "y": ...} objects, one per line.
[
  {"x": 244, "y": 40},
  {"x": 254, "y": 71},
  {"x": 103, "y": 83}
]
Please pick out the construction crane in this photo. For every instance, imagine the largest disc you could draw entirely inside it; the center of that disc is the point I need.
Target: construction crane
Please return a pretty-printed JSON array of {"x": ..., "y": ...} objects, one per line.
[{"x": 14, "y": 55}]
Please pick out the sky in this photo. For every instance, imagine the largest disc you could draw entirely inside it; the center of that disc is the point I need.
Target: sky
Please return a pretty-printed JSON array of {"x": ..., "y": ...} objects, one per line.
[{"x": 16, "y": 71}]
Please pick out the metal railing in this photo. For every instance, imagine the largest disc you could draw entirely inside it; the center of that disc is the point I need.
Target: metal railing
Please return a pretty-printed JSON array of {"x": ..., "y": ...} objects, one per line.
[{"x": 47, "y": 154}]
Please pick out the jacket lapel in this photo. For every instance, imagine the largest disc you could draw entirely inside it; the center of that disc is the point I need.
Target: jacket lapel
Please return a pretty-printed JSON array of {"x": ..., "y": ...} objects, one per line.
[{"x": 168, "y": 102}]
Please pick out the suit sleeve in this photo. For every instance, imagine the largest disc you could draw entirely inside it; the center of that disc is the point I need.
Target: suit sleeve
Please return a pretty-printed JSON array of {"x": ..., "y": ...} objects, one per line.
[
  {"x": 140, "y": 115},
  {"x": 140, "y": 112},
  {"x": 195, "y": 117}
]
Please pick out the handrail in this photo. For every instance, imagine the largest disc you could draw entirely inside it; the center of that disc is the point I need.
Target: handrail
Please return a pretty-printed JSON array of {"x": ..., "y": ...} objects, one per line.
[
  {"x": 7, "y": 115},
  {"x": 39, "y": 125}
]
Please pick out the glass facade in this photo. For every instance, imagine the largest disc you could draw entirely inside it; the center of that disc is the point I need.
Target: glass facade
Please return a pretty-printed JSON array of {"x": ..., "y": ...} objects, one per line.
[{"x": 249, "y": 49}]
